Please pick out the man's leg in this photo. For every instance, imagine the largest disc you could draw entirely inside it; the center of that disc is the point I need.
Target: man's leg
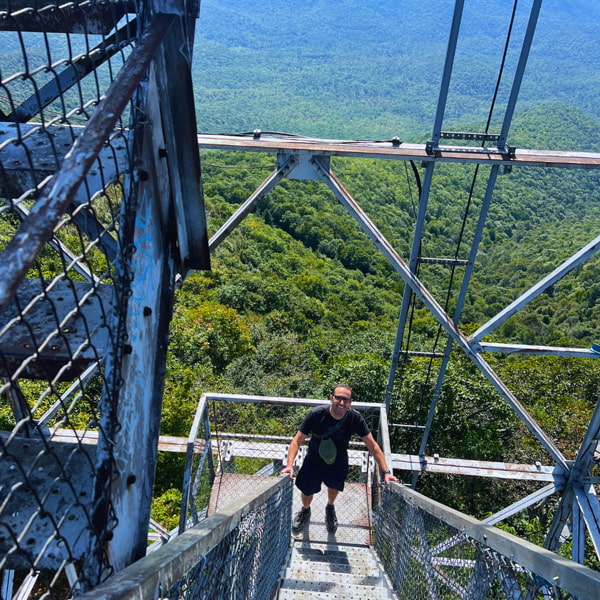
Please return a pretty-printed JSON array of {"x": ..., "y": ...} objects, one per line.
[
  {"x": 306, "y": 500},
  {"x": 302, "y": 517},
  {"x": 330, "y": 516},
  {"x": 331, "y": 495}
]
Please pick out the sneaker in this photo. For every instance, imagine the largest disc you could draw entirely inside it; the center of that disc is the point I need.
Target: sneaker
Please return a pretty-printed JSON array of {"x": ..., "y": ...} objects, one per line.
[
  {"x": 330, "y": 518},
  {"x": 301, "y": 519}
]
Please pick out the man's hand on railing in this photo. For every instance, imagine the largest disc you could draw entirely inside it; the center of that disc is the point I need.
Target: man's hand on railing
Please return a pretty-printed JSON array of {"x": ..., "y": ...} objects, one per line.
[
  {"x": 287, "y": 470},
  {"x": 388, "y": 476}
]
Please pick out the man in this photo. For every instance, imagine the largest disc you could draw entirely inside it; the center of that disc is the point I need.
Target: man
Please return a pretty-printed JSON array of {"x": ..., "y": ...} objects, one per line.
[{"x": 327, "y": 462}]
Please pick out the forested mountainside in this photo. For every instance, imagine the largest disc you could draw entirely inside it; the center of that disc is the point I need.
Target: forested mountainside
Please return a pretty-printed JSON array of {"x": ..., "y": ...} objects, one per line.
[
  {"x": 298, "y": 298},
  {"x": 371, "y": 70}
]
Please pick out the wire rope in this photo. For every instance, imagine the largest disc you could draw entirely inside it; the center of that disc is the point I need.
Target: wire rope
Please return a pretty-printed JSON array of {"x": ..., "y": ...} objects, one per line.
[{"x": 466, "y": 212}]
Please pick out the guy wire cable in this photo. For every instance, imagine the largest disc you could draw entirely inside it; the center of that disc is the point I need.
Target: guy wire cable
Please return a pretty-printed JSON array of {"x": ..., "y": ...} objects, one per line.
[
  {"x": 476, "y": 171},
  {"x": 470, "y": 196}
]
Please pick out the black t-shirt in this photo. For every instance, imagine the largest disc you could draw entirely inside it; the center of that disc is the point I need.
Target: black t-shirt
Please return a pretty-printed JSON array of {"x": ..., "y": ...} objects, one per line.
[{"x": 319, "y": 421}]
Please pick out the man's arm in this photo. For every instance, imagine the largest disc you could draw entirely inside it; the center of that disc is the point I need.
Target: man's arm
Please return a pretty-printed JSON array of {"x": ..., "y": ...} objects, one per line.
[
  {"x": 295, "y": 444},
  {"x": 379, "y": 457}
]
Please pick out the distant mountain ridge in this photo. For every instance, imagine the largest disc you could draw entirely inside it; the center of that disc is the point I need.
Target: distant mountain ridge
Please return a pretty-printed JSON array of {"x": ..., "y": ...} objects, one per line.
[{"x": 355, "y": 69}]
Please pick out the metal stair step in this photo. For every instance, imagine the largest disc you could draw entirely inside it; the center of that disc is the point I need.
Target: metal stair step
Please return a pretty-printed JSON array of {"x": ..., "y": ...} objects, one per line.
[
  {"x": 367, "y": 594},
  {"x": 328, "y": 570},
  {"x": 333, "y": 553},
  {"x": 358, "y": 569},
  {"x": 325, "y": 590},
  {"x": 330, "y": 577}
]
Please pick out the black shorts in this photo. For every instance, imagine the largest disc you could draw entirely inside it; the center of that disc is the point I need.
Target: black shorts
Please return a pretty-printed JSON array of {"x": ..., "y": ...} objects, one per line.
[{"x": 313, "y": 474}]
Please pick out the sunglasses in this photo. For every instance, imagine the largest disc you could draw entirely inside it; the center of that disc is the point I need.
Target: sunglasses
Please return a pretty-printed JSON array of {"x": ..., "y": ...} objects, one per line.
[{"x": 344, "y": 399}]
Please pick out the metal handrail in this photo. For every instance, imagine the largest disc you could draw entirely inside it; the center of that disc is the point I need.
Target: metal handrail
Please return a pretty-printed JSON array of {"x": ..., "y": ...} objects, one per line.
[
  {"x": 579, "y": 580},
  {"x": 156, "y": 573}
]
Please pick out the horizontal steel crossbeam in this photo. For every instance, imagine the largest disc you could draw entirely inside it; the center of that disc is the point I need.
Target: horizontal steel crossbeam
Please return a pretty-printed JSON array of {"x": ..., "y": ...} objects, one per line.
[
  {"x": 402, "y": 151},
  {"x": 275, "y": 448}
]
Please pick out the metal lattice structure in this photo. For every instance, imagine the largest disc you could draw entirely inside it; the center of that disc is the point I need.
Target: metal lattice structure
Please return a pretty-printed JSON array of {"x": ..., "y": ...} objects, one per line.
[
  {"x": 91, "y": 187},
  {"x": 565, "y": 478},
  {"x": 102, "y": 213}
]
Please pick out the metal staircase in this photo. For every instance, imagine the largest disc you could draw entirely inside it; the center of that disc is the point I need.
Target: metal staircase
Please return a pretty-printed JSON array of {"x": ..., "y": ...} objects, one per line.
[{"x": 333, "y": 570}]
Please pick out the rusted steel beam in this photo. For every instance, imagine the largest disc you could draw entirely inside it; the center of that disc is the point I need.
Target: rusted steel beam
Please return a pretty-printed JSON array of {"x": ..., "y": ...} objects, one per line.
[
  {"x": 166, "y": 443},
  {"x": 405, "y": 462},
  {"x": 394, "y": 151},
  {"x": 178, "y": 116},
  {"x": 248, "y": 205}
]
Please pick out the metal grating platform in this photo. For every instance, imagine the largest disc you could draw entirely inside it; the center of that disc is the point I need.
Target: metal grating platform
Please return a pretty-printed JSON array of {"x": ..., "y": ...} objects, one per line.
[
  {"x": 56, "y": 331},
  {"x": 353, "y": 509},
  {"x": 228, "y": 488}
]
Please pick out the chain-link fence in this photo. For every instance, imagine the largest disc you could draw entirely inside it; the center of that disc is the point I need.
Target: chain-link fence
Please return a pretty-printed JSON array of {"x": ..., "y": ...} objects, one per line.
[
  {"x": 430, "y": 551},
  {"x": 246, "y": 562},
  {"x": 63, "y": 294}
]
